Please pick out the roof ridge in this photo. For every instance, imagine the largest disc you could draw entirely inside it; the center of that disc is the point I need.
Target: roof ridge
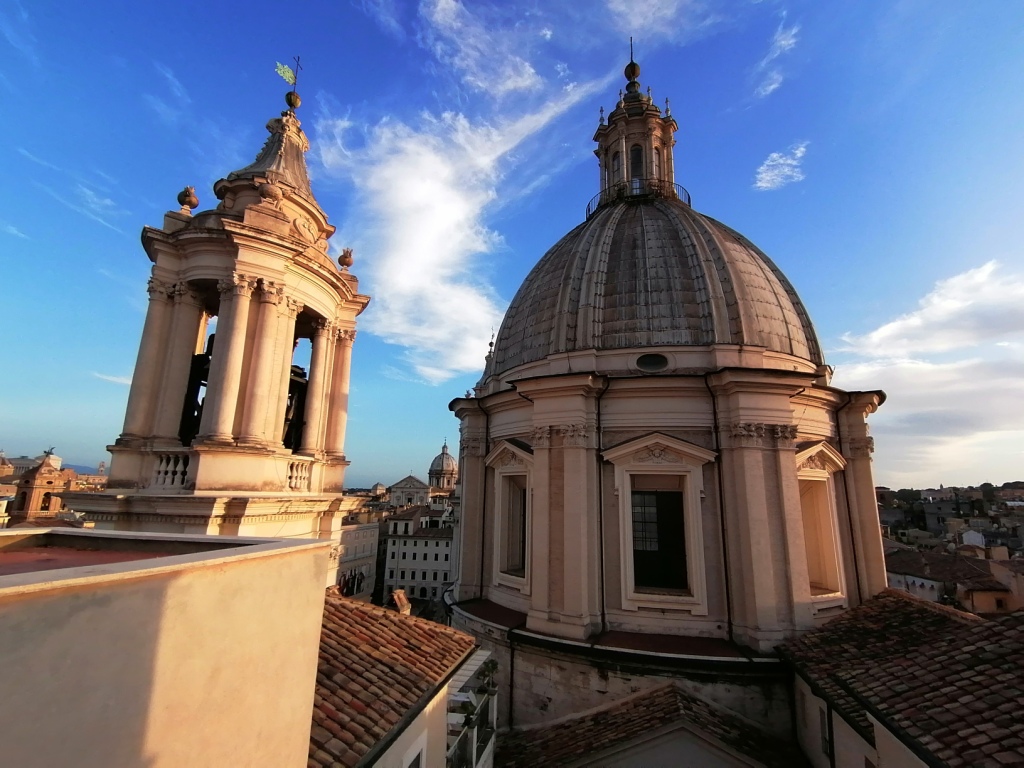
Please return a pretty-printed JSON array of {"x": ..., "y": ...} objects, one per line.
[{"x": 945, "y": 610}]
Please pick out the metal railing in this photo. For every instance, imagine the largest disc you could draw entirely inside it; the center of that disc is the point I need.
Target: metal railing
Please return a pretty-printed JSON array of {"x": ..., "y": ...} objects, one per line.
[{"x": 637, "y": 189}]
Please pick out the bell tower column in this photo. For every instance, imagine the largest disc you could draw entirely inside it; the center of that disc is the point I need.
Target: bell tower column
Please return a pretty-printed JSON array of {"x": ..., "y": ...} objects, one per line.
[
  {"x": 186, "y": 318},
  {"x": 338, "y": 415},
  {"x": 138, "y": 420},
  {"x": 312, "y": 442},
  {"x": 257, "y": 398},
  {"x": 226, "y": 366}
]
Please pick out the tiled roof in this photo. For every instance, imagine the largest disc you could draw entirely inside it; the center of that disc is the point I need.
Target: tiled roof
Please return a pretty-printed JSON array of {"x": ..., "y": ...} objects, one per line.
[
  {"x": 937, "y": 566},
  {"x": 375, "y": 666},
  {"x": 959, "y": 698},
  {"x": 631, "y": 718},
  {"x": 949, "y": 684},
  {"x": 890, "y": 625}
]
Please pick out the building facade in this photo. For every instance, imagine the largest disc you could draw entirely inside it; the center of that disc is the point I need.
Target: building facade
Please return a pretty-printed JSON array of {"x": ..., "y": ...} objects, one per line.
[{"x": 419, "y": 556}]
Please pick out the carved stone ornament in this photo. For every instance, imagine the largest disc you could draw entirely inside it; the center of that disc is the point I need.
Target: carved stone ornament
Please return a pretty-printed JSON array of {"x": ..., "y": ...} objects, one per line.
[
  {"x": 540, "y": 437},
  {"x": 510, "y": 459},
  {"x": 182, "y": 293},
  {"x": 158, "y": 289},
  {"x": 757, "y": 434},
  {"x": 236, "y": 285},
  {"x": 322, "y": 327},
  {"x": 473, "y": 446},
  {"x": 574, "y": 435},
  {"x": 862, "y": 447},
  {"x": 335, "y": 554},
  {"x": 813, "y": 462},
  {"x": 656, "y": 454},
  {"x": 271, "y": 292},
  {"x": 292, "y": 307},
  {"x": 303, "y": 229},
  {"x": 346, "y": 335}
]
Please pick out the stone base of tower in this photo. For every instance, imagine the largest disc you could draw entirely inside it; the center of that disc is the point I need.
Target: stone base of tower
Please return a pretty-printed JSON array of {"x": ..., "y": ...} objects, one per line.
[
  {"x": 271, "y": 516},
  {"x": 545, "y": 678}
]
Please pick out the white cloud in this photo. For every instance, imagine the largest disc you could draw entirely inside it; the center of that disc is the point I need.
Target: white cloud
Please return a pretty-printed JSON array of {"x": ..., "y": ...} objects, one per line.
[
  {"x": 771, "y": 77},
  {"x": 10, "y": 229},
  {"x": 385, "y": 13},
  {"x": 966, "y": 310},
  {"x": 486, "y": 57},
  {"x": 654, "y": 19},
  {"x": 547, "y": 33},
  {"x": 425, "y": 192},
  {"x": 173, "y": 83},
  {"x": 781, "y": 168},
  {"x": 953, "y": 411},
  {"x": 113, "y": 379},
  {"x": 37, "y": 160},
  {"x": 91, "y": 206}
]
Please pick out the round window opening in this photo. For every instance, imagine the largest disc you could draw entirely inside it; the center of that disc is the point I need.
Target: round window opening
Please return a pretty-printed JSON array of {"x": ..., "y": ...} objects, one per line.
[{"x": 652, "y": 363}]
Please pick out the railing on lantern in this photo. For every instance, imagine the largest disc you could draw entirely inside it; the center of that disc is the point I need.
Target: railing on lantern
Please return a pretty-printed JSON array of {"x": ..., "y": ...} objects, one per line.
[
  {"x": 637, "y": 189},
  {"x": 298, "y": 474},
  {"x": 171, "y": 470}
]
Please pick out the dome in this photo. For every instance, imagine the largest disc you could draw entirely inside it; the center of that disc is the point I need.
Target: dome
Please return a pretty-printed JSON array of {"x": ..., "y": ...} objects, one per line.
[
  {"x": 444, "y": 462},
  {"x": 650, "y": 272}
]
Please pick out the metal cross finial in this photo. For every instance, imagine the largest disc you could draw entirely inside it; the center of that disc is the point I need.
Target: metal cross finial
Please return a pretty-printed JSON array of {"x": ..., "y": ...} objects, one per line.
[
  {"x": 298, "y": 66},
  {"x": 631, "y": 48}
]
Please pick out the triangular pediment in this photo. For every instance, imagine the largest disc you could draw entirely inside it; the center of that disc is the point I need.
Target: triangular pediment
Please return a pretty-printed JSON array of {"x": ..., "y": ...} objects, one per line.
[
  {"x": 410, "y": 482},
  {"x": 657, "y": 448},
  {"x": 820, "y": 456},
  {"x": 506, "y": 454}
]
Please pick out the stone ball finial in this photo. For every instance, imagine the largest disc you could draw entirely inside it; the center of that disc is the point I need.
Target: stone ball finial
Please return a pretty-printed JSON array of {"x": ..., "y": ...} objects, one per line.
[
  {"x": 346, "y": 260},
  {"x": 632, "y": 71},
  {"x": 270, "y": 192},
  {"x": 187, "y": 199},
  {"x": 292, "y": 100}
]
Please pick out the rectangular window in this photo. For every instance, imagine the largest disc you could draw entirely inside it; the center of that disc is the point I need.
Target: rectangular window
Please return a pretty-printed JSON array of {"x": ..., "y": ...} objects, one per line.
[
  {"x": 435, "y": 557},
  {"x": 413, "y": 555},
  {"x": 435, "y": 575},
  {"x": 446, "y": 575},
  {"x": 424, "y": 577},
  {"x": 403, "y": 555},
  {"x": 403, "y": 574},
  {"x": 447, "y": 544},
  {"x": 446, "y": 558},
  {"x": 513, "y": 533},
  {"x": 433, "y": 591},
  {"x": 392, "y": 555},
  {"x": 659, "y": 539},
  {"x": 391, "y": 573},
  {"x": 819, "y": 537}
]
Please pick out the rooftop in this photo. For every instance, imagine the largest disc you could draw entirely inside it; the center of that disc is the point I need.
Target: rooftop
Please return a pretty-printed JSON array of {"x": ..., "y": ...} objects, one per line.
[
  {"x": 951, "y": 682},
  {"x": 376, "y": 667},
  {"x": 635, "y": 717}
]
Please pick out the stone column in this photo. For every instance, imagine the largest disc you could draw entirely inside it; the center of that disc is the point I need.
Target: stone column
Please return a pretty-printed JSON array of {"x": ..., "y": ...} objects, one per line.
[
  {"x": 257, "y": 398},
  {"x": 338, "y": 416},
  {"x": 228, "y": 354},
  {"x": 473, "y": 533},
  {"x": 289, "y": 310},
  {"x": 580, "y": 541},
  {"x": 185, "y": 320},
  {"x": 315, "y": 395},
  {"x": 145, "y": 387},
  {"x": 857, "y": 447},
  {"x": 540, "y": 528}
]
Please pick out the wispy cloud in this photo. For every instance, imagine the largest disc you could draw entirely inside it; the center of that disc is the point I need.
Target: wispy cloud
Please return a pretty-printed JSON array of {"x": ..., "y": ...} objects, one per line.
[
  {"x": 654, "y": 20},
  {"x": 169, "y": 110},
  {"x": 547, "y": 33},
  {"x": 10, "y": 229},
  {"x": 954, "y": 372},
  {"x": 15, "y": 28},
  {"x": 113, "y": 379},
  {"x": 89, "y": 204},
  {"x": 425, "y": 192},
  {"x": 38, "y": 160},
  {"x": 781, "y": 168},
  {"x": 486, "y": 61},
  {"x": 385, "y": 14},
  {"x": 769, "y": 74}
]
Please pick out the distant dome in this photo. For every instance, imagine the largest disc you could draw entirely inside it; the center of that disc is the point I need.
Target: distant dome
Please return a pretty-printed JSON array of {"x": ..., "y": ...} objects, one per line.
[
  {"x": 444, "y": 462},
  {"x": 652, "y": 272}
]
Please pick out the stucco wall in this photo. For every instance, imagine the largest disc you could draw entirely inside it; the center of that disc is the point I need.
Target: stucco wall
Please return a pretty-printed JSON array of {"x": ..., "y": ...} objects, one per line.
[
  {"x": 203, "y": 660},
  {"x": 892, "y": 753},
  {"x": 427, "y": 734}
]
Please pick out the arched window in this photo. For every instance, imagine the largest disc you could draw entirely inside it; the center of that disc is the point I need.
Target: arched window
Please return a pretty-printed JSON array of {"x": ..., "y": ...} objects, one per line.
[
  {"x": 657, "y": 163},
  {"x": 45, "y": 505},
  {"x": 636, "y": 162},
  {"x": 616, "y": 167}
]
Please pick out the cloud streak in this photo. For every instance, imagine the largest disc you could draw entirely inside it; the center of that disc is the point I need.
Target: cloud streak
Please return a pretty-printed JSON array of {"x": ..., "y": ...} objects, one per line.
[
  {"x": 781, "y": 168},
  {"x": 113, "y": 379},
  {"x": 10, "y": 229},
  {"x": 769, "y": 73}
]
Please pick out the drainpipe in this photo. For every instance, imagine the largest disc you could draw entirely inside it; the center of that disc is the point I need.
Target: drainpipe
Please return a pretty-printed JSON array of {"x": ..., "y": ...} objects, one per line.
[
  {"x": 721, "y": 507},
  {"x": 600, "y": 507}
]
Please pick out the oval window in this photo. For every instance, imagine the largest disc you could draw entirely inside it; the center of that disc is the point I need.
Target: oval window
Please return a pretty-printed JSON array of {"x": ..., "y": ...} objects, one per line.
[{"x": 652, "y": 363}]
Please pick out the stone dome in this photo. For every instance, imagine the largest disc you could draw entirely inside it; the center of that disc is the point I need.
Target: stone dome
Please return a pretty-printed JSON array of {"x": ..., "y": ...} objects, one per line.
[
  {"x": 444, "y": 462},
  {"x": 650, "y": 272}
]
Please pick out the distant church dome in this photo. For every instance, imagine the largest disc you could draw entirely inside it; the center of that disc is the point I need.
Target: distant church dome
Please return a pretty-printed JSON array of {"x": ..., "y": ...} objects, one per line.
[
  {"x": 444, "y": 469},
  {"x": 647, "y": 271}
]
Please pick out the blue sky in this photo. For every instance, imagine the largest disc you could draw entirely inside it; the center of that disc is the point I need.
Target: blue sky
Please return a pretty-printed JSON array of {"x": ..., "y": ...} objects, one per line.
[{"x": 873, "y": 149}]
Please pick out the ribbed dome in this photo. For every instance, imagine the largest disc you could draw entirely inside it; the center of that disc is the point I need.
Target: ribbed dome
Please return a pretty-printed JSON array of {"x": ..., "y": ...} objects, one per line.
[
  {"x": 444, "y": 461},
  {"x": 652, "y": 273}
]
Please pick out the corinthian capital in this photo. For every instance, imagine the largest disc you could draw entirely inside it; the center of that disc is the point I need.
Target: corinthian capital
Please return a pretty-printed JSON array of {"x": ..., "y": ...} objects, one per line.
[
  {"x": 322, "y": 327},
  {"x": 346, "y": 335},
  {"x": 158, "y": 289},
  {"x": 236, "y": 285},
  {"x": 182, "y": 293},
  {"x": 271, "y": 292},
  {"x": 292, "y": 306}
]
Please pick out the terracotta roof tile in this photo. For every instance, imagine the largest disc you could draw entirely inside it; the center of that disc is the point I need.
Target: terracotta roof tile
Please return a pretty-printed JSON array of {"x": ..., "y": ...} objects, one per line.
[
  {"x": 948, "y": 683},
  {"x": 364, "y": 651},
  {"x": 631, "y": 718}
]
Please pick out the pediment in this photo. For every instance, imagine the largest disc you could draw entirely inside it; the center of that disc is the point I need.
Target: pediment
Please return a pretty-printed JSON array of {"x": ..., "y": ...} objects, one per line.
[
  {"x": 507, "y": 455},
  {"x": 820, "y": 456},
  {"x": 657, "y": 448}
]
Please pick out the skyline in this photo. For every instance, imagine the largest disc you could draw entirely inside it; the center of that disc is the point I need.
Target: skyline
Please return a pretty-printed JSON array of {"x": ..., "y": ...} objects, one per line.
[{"x": 451, "y": 147}]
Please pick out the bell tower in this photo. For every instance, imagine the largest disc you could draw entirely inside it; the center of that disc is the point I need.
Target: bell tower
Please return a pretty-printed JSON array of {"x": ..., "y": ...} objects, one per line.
[{"x": 223, "y": 432}]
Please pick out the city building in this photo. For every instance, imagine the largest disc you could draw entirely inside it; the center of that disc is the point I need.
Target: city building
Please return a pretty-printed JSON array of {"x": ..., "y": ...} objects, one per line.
[
  {"x": 444, "y": 470},
  {"x": 658, "y": 482},
  {"x": 223, "y": 433},
  {"x": 357, "y": 560},
  {"x": 419, "y": 556}
]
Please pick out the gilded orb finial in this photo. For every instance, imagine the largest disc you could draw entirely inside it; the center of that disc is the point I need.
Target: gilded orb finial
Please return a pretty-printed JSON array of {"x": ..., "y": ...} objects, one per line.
[
  {"x": 291, "y": 76},
  {"x": 187, "y": 200}
]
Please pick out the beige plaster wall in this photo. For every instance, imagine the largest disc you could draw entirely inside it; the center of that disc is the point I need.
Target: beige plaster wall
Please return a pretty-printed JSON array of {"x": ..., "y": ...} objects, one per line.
[
  {"x": 892, "y": 753},
  {"x": 207, "y": 663},
  {"x": 427, "y": 734}
]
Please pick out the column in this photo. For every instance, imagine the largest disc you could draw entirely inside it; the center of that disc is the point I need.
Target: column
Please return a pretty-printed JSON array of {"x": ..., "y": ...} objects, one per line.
[
  {"x": 228, "y": 353},
  {"x": 318, "y": 375},
  {"x": 338, "y": 416},
  {"x": 857, "y": 448},
  {"x": 146, "y": 378},
  {"x": 185, "y": 318},
  {"x": 257, "y": 398},
  {"x": 289, "y": 310},
  {"x": 624, "y": 164}
]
